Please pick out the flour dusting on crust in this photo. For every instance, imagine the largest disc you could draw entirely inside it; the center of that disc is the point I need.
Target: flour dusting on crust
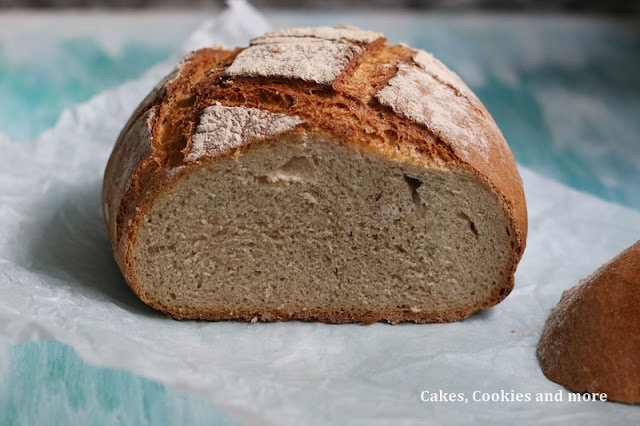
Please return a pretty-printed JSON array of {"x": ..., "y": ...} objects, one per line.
[
  {"x": 304, "y": 58},
  {"x": 440, "y": 72},
  {"x": 223, "y": 128},
  {"x": 349, "y": 33},
  {"x": 426, "y": 92},
  {"x": 316, "y": 55}
]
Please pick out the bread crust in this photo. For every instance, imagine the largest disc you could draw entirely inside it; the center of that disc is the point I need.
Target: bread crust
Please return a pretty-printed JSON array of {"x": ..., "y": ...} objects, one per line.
[
  {"x": 347, "y": 109},
  {"x": 591, "y": 341}
]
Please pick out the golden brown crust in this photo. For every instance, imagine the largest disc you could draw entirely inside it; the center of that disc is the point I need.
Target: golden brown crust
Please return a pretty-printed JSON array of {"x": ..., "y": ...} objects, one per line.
[
  {"x": 365, "y": 317},
  {"x": 591, "y": 342},
  {"x": 339, "y": 317},
  {"x": 347, "y": 109}
]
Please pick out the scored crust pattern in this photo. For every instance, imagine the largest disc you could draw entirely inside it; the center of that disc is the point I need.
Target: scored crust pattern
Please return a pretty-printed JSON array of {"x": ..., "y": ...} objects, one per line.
[
  {"x": 423, "y": 91},
  {"x": 223, "y": 128},
  {"x": 315, "y": 56},
  {"x": 342, "y": 81}
]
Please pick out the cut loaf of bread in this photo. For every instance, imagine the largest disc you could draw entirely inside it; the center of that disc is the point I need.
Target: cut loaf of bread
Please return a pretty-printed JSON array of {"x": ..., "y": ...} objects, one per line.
[
  {"x": 319, "y": 174},
  {"x": 591, "y": 342}
]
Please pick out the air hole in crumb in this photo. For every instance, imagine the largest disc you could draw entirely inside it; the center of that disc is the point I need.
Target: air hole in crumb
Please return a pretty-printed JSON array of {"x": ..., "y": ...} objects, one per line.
[
  {"x": 414, "y": 184},
  {"x": 172, "y": 295},
  {"x": 472, "y": 225}
]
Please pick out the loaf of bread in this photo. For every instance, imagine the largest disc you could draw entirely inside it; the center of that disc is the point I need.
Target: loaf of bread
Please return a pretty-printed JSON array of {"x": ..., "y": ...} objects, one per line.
[
  {"x": 591, "y": 342},
  {"x": 318, "y": 174}
]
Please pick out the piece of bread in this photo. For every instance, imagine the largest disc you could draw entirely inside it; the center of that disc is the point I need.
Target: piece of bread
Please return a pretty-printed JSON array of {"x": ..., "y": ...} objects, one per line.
[
  {"x": 319, "y": 174},
  {"x": 591, "y": 342}
]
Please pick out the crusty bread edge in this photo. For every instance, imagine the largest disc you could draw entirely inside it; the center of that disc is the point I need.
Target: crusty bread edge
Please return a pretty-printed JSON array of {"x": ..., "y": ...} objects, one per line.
[
  {"x": 507, "y": 187},
  {"x": 567, "y": 367},
  {"x": 165, "y": 179}
]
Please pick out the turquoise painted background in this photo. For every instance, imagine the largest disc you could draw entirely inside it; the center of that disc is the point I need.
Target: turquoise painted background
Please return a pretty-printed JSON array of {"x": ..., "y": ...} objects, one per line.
[
  {"x": 34, "y": 91},
  {"x": 47, "y": 383}
]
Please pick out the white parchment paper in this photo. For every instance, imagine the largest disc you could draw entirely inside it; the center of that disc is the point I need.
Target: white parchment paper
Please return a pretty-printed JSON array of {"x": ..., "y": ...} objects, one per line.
[{"x": 58, "y": 279}]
